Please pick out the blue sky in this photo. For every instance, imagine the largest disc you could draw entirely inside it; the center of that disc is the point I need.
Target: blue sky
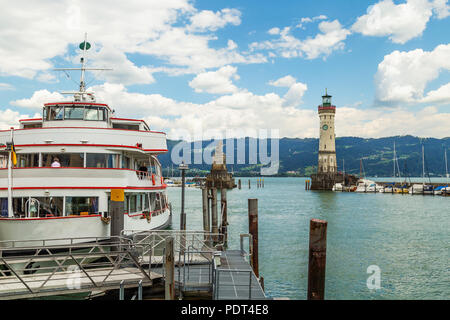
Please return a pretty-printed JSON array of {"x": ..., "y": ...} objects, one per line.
[{"x": 243, "y": 65}]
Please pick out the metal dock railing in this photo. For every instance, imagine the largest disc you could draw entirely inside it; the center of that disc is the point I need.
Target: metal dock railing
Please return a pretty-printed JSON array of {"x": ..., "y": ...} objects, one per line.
[{"x": 133, "y": 260}]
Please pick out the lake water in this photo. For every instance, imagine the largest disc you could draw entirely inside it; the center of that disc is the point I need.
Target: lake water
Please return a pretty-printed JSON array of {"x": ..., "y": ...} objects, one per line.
[{"x": 406, "y": 236}]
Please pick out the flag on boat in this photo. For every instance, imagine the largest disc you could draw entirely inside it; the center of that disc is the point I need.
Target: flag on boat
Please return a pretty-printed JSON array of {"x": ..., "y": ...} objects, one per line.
[{"x": 13, "y": 154}]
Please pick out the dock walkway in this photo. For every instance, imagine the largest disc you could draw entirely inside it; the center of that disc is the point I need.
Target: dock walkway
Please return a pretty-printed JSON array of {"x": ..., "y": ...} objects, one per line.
[
  {"x": 235, "y": 279},
  {"x": 116, "y": 263}
]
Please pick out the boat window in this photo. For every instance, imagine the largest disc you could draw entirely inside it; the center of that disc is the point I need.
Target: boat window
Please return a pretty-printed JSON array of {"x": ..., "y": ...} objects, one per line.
[
  {"x": 132, "y": 203},
  {"x": 31, "y": 126},
  {"x": 74, "y": 113},
  {"x": 125, "y": 162},
  {"x": 28, "y": 160},
  {"x": 3, "y": 207},
  {"x": 81, "y": 206},
  {"x": 146, "y": 203},
  {"x": 55, "y": 113},
  {"x": 45, "y": 207},
  {"x": 155, "y": 167},
  {"x": 139, "y": 202},
  {"x": 163, "y": 200},
  {"x": 125, "y": 126},
  {"x": 39, "y": 207},
  {"x": 94, "y": 114},
  {"x": 102, "y": 160},
  {"x": 3, "y": 161},
  {"x": 74, "y": 160},
  {"x": 157, "y": 201}
]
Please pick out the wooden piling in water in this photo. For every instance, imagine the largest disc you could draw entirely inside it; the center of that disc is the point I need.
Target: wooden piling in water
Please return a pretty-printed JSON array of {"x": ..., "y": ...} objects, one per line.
[
  {"x": 206, "y": 222},
  {"x": 169, "y": 270},
  {"x": 253, "y": 230},
  {"x": 224, "y": 224},
  {"x": 214, "y": 224},
  {"x": 239, "y": 184},
  {"x": 317, "y": 259},
  {"x": 249, "y": 183}
]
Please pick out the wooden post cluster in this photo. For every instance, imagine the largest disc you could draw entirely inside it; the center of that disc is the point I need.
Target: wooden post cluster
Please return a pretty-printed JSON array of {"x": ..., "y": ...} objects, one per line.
[
  {"x": 253, "y": 230},
  {"x": 224, "y": 223},
  {"x": 308, "y": 185},
  {"x": 317, "y": 259},
  {"x": 260, "y": 183},
  {"x": 215, "y": 221}
]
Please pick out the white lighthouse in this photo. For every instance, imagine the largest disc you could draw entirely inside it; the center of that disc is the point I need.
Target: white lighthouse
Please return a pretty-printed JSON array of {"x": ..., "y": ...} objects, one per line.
[{"x": 327, "y": 145}]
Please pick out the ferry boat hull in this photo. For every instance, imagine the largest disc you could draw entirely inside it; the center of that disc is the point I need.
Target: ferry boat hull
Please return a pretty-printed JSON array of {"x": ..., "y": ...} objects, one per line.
[{"x": 27, "y": 231}]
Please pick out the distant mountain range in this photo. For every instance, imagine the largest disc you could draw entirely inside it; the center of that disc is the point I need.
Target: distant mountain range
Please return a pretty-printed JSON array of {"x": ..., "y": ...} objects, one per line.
[{"x": 298, "y": 157}]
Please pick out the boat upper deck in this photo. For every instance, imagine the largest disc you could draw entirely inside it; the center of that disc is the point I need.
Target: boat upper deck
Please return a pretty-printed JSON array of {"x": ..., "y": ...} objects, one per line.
[{"x": 84, "y": 124}]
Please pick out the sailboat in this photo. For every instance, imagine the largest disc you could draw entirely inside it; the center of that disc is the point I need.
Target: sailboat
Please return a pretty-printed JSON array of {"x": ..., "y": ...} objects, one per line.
[
  {"x": 365, "y": 185},
  {"x": 422, "y": 188},
  {"x": 444, "y": 190}
]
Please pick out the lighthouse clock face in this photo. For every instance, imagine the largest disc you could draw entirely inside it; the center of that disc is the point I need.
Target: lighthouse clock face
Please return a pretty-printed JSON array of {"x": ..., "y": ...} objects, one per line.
[{"x": 325, "y": 127}]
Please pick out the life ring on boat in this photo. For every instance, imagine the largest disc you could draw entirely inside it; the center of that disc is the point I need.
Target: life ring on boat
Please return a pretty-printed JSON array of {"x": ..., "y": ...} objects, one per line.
[{"x": 153, "y": 179}]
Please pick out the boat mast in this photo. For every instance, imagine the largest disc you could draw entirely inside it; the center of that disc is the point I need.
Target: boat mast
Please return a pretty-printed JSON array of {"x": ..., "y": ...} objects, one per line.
[
  {"x": 446, "y": 165},
  {"x": 83, "y": 65},
  {"x": 395, "y": 159},
  {"x": 423, "y": 165}
]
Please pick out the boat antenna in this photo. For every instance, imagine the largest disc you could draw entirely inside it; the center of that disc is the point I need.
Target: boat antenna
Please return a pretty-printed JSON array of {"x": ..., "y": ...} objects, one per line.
[{"x": 82, "y": 94}]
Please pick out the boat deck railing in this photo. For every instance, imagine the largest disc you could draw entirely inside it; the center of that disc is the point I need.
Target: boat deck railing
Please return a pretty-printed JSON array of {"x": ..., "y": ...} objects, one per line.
[
  {"x": 135, "y": 259},
  {"x": 67, "y": 268}
]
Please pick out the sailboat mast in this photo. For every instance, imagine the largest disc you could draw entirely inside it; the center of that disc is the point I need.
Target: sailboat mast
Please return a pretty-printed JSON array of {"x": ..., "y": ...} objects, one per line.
[
  {"x": 395, "y": 159},
  {"x": 423, "y": 165},
  {"x": 360, "y": 167},
  {"x": 446, "y": 165}
]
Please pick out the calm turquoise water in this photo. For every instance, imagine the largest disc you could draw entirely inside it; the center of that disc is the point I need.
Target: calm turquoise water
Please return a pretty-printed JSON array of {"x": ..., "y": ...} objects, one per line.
[{"x": 407, "y": 236}]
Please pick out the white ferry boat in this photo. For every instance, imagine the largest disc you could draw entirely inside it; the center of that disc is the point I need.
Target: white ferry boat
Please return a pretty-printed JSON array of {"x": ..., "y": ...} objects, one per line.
[{"x": 68, "y": 162}]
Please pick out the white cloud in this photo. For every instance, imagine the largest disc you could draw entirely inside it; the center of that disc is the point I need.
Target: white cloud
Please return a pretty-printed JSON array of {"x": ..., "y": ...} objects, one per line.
[
  {"x": 441, "y": 95},
  {"x": 29, "y": 40},
  {"x": 441, "y": 8},
  {"x": 274, "y": 31},
  {"x": 330, "y": 38},
  {"x": 401, "y": 22},
  {"x": 6, "y": 86},
  {"x": 245, "y": 110},
  {"x": 403, "y": 76},
  {"x": 219, "y": 81},
  {"x": 38, "y": 99},
  {"x": 124, "y": 71},
  {"x": 207, "y": 20},
  {"x": 192, "y": 51},
  {"x": 10, "y": 119},
  {"x": 375, "y": 123},
  {"x": 286, "y": 81},
  {"x": 296, "y": 90},
  {"x": 309, "y": 20}
]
